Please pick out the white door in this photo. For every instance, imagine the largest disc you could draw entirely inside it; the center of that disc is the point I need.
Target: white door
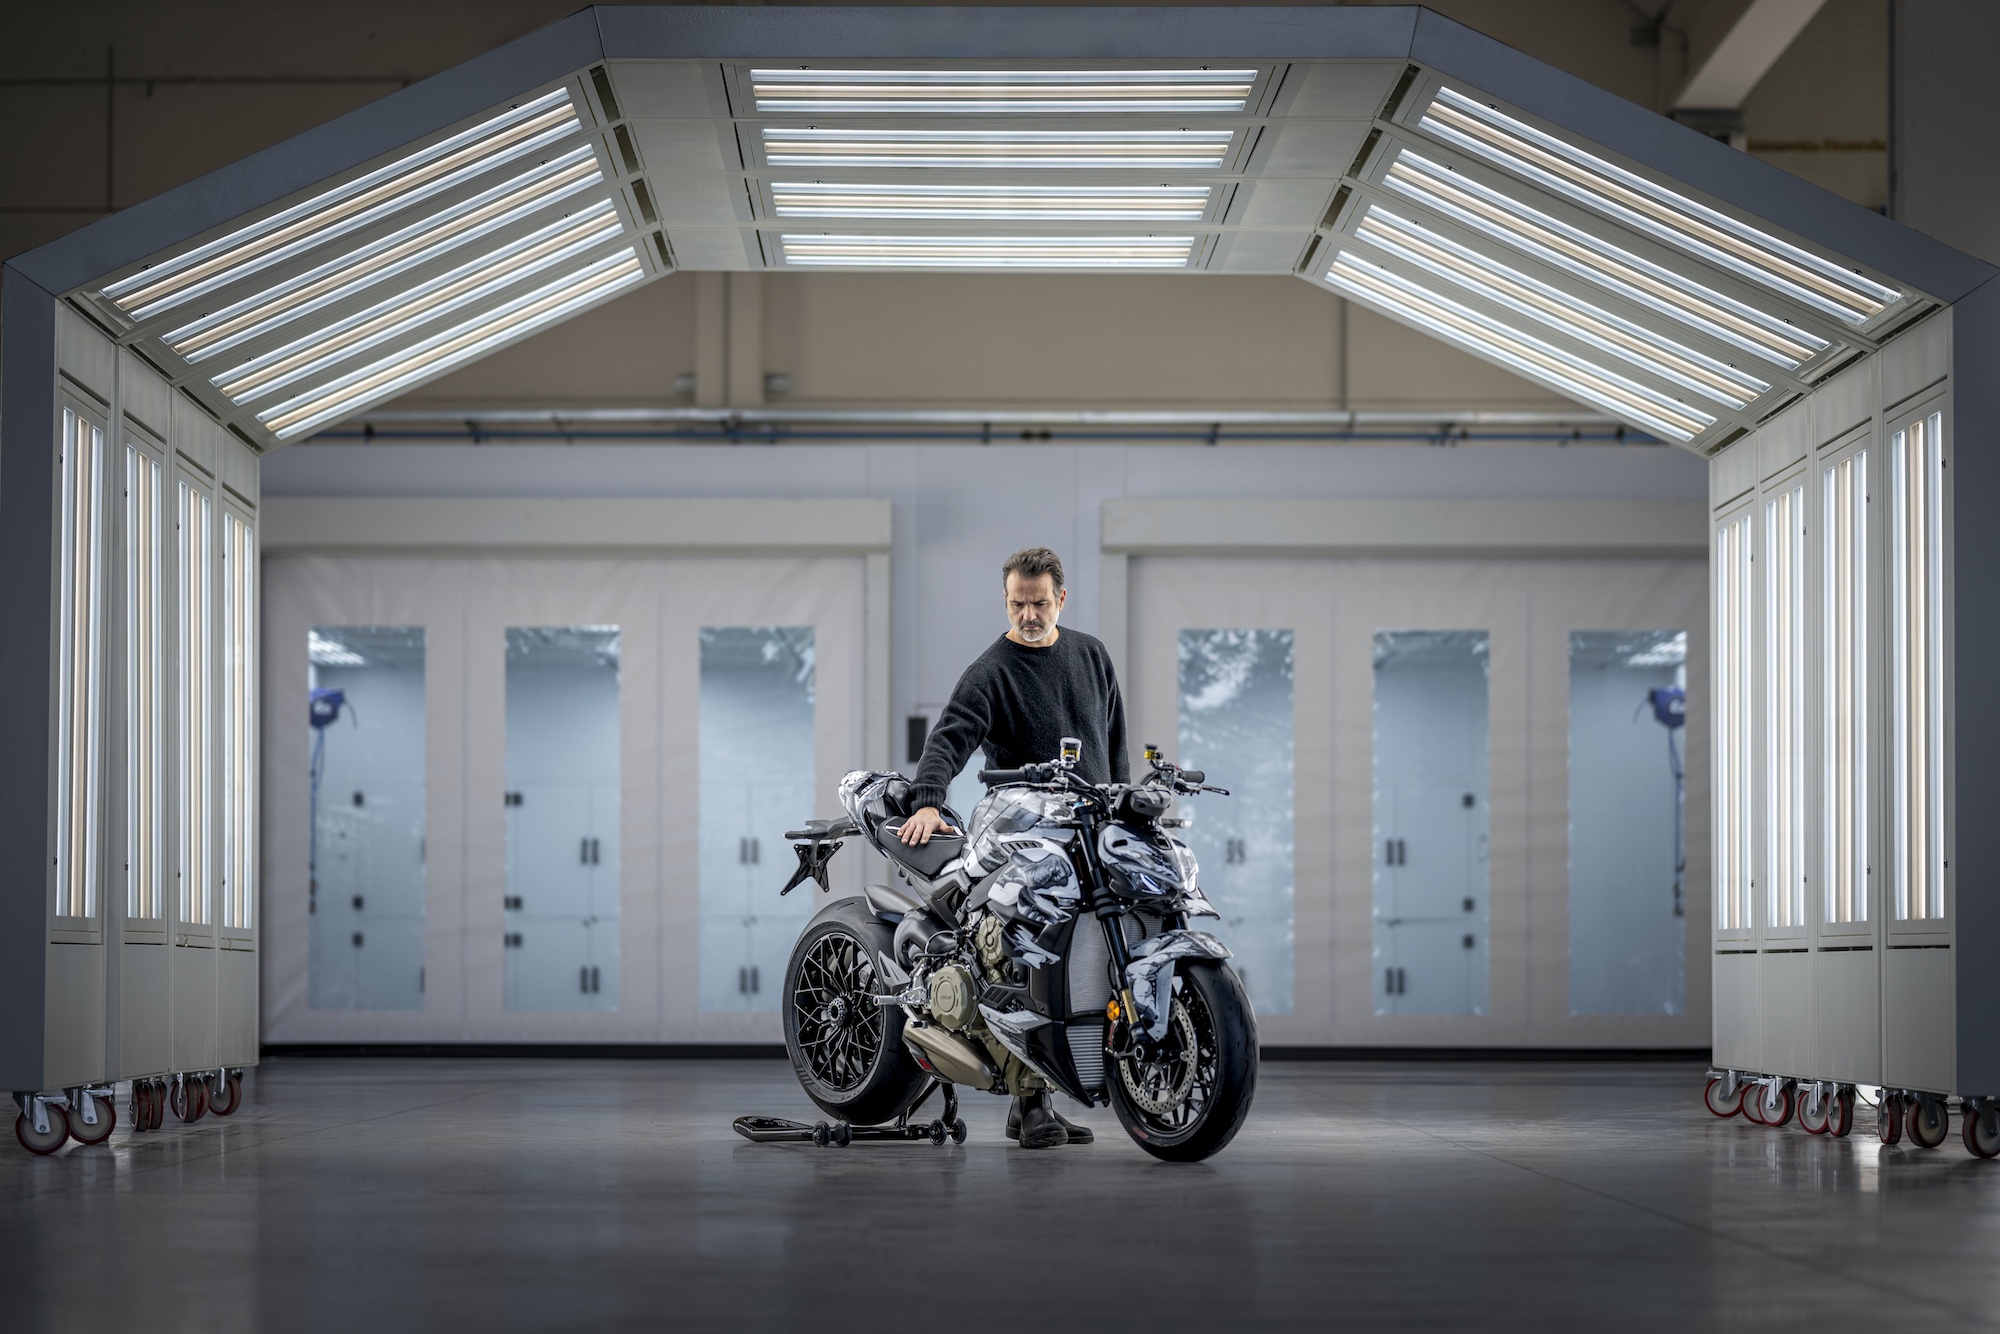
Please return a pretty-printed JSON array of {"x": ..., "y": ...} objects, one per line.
[{"x": 566, "y": 891}]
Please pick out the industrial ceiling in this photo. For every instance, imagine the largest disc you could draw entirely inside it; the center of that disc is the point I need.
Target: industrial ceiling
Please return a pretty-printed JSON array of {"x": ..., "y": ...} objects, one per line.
[{"x": 1386, "y": 154}]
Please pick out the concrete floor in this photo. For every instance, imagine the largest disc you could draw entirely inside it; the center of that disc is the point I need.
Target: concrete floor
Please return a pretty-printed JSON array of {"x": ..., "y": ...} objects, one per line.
[{"x": 496, "y": 1194}]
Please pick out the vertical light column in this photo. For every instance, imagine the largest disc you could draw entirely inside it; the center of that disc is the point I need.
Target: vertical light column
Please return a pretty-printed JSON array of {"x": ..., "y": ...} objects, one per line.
[
  {"x": 1784, "y": 708},
  {"x": 197, "y": 841},
  {"x": 1732, "y": 601},
  {"x": 80, "y": 705},
  {"x": 1844, "y": 663},
  {"x": 145, "y": 681},
  {"x": 239, "y": 727},
  {"x": 1916, "y": 631}
]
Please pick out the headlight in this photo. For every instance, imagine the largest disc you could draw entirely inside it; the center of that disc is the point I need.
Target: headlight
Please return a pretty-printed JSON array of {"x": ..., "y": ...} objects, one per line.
[{"x": 1184, "y": 861}]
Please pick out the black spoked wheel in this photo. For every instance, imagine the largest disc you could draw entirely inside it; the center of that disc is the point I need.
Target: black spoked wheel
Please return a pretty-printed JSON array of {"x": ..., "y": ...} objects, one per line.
[
  {"x": 847, "y": 1051},
  {"x": 1187, "y": 1099}
]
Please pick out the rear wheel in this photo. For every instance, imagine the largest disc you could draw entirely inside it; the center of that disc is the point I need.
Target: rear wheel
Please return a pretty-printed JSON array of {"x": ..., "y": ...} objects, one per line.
[
  {"x": 848, "y": 1051},
  {"x": 1190, "y": 1098}
]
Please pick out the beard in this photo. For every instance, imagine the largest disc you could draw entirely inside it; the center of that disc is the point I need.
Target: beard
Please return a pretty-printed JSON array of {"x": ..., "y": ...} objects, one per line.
[{"x": 1033, "y": 631}]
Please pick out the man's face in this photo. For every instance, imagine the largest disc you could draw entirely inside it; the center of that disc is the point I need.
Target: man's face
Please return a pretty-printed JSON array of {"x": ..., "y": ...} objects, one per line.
[{"x": 1033, "y": 605}]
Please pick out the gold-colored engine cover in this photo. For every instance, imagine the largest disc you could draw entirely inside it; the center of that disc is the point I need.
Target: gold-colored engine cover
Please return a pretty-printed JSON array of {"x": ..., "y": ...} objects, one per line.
[{"x": 952, "y": 1002}]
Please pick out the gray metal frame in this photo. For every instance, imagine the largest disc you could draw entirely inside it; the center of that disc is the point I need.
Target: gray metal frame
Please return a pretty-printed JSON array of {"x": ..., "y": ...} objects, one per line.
[{"x": 35, "y": 283}]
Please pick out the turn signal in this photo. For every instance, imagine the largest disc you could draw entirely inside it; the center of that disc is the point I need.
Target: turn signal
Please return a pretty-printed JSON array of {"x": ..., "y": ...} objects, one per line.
[{"x": 1111, "y": 1011}]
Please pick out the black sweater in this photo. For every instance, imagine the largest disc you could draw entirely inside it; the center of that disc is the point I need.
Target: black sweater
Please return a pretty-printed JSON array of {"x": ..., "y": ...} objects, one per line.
[{"x": 1019, "y": 703}]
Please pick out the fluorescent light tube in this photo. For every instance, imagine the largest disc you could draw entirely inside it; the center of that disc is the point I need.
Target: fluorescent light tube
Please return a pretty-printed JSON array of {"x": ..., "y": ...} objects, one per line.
[
  {"x": 460, "y": 343},
  {"x": 401, "y": 312},
  {"x": 1400, "y": 298},
  {"x": 423, "y": 240},
  {"x": 1177, "y": 150},
  {"x": 1529, "y": 230},
  {"x": 1025, "y": 202},
  {"x": 513, "y": 134},
  {"x": 1552, "y": 306},
  {"x": 1667, "y": 214},
  {"x": 987, "y": 92},
  {"x": 991, "y": 252}
]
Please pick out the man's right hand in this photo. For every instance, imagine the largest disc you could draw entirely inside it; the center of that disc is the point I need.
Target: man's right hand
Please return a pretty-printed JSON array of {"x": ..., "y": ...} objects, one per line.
[{"x": 917, "y": 830}]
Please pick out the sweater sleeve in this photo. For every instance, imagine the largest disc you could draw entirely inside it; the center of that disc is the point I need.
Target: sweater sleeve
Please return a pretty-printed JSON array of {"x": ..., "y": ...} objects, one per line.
[
  {"x": 1121, "y": 760},
  {"x": 959, "y": 731}
]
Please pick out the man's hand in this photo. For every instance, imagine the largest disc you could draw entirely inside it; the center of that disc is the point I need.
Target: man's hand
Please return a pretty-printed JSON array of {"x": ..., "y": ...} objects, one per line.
[{"x": 917, "y": 830}]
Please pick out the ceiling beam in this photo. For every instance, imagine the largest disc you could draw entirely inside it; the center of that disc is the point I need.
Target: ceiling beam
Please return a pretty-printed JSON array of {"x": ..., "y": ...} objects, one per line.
[{"x": 1732, "y": 44}]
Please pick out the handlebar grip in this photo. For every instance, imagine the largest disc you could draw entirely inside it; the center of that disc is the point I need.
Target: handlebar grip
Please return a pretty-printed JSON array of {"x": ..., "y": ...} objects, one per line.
[
  {"x": 994, "y": 777},
  {"x": 1193, "y": 776}
]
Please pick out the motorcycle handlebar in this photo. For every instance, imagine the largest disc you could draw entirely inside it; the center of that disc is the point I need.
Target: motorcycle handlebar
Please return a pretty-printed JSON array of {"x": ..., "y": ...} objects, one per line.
[
  {"x": 1033, "y": 773},
  {"x": 1194, "y": 776}
]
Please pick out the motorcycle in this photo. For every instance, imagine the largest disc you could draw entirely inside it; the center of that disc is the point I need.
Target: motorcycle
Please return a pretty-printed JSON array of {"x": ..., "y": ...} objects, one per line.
[{"x": 1044, "y": 945}]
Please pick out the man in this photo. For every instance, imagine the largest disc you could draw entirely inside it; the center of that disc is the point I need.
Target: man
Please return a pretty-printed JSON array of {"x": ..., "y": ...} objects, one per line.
[{"x": 1019, "y": 699}]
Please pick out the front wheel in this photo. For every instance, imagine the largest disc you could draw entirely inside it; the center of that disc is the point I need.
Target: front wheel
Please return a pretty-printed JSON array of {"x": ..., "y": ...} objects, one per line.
[
  {"x": 1190, "y": 1098},
  {"x": 848, "y": 1051}
]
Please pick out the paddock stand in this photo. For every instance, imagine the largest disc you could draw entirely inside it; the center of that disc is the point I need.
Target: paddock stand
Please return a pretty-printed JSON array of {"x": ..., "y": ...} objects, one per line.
[{"x": 777, "y": 1130}]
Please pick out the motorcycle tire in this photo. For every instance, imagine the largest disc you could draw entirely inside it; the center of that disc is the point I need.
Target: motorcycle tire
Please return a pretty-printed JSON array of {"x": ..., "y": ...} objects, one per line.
[
  {"x": 847, "y": 1051},
  {"x": 1212, "y": 1004}
]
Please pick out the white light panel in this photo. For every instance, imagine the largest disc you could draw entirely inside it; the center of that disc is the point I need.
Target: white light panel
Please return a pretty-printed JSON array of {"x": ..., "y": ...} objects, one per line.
[
  {"x": 397, "y": 314},
  {"x": 1178, "y": 150},
  {"x": 1616, "y": 193},
  {"x": 1549, "y": 305},
  {"x": 1571, "y": 249},
  {"x": 450, "y": 347},
  {"x": 426, "y": 239},
  {"x": 516, "y": 133},
  {"x": 1026, "y": 202},
  {"x": 990, "y": 252},
  {"x": 987, "y": 92},
  {"x": 1567, "y": 373}
]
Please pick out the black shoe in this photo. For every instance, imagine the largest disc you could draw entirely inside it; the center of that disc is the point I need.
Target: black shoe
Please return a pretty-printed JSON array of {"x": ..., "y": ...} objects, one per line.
[
  {"x": 1036, "y": 1124},
  {"x": 1078, "y": 1134}
]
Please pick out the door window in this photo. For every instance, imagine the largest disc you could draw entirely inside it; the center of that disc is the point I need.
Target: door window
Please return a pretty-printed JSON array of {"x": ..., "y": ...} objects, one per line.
[
  {"x": 1627, "y": 825},
  {"x": 1430, "y": 802},
  {"x": 756, "y": 783},
  {"x": 365, "y": 855},
  {"x": 1236, "y": 726},
  {"x": 562, "y": 803}
]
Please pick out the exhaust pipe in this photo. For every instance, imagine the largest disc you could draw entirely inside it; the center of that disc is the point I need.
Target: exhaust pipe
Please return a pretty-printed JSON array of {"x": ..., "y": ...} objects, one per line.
[{"x": 951, "y": 1055}]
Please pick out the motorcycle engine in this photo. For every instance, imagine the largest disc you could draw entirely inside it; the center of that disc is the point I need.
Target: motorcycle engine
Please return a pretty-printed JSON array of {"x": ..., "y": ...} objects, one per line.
[{"x": 953, "y": 1000}]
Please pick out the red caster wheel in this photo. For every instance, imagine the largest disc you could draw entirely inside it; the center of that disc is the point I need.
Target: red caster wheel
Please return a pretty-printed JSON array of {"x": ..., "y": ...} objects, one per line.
[
  {"x": 189, "y": 1098},
  {"x": 159, "y": 1103},
  {"x": 1979, "y": 1126},
  {"x": 107, "y": 1121},
  {"x": 226, "y": 1096},
  {"x": 42, "y": 1141},
  {"x": 1769, "y": 1115},
  {"x": 1753, "y": 1104},
  {"x": 1889, "y": 1119},
  {"x": 1811, "y": 1121},
  {"x": 1712, "y": 1099},
  {"x": 1840, "y": 1114},
  {"x": 1929, "y": 1122}
]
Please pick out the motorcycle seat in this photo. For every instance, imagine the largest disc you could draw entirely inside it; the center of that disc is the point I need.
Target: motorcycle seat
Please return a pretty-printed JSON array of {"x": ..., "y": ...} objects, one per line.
[{"x": 926, "y": 859}]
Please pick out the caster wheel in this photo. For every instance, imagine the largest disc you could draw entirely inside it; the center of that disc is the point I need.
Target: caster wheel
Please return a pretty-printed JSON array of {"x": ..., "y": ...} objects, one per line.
[
  {"x": 822, "y": 1134},
  {"x": 938, "y": 1133},
  {"x": 1889, "y": 1119},
  {"x": 1815, "y": 1123},
  {"x": 842, "y": 1134},
  {"x": 1712, "y": 1099},
  {"x": 107, "y": 1121},
  {"x": 1752, "y": 1104},
  {"x": 958, "y": 1133},
  {"x": 189, "y": 1098},
  {"x": 1929, "y": 1122},
  {"x": 1980, "y": 1128},
  {"x": 156, "y": 1104},
  {"x": 1840, "y": 1114},
  {"x": 1782, "y": 1113},
  {"x": 42, "y": 1143},
  {"x": 226, "y": 1096}
]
